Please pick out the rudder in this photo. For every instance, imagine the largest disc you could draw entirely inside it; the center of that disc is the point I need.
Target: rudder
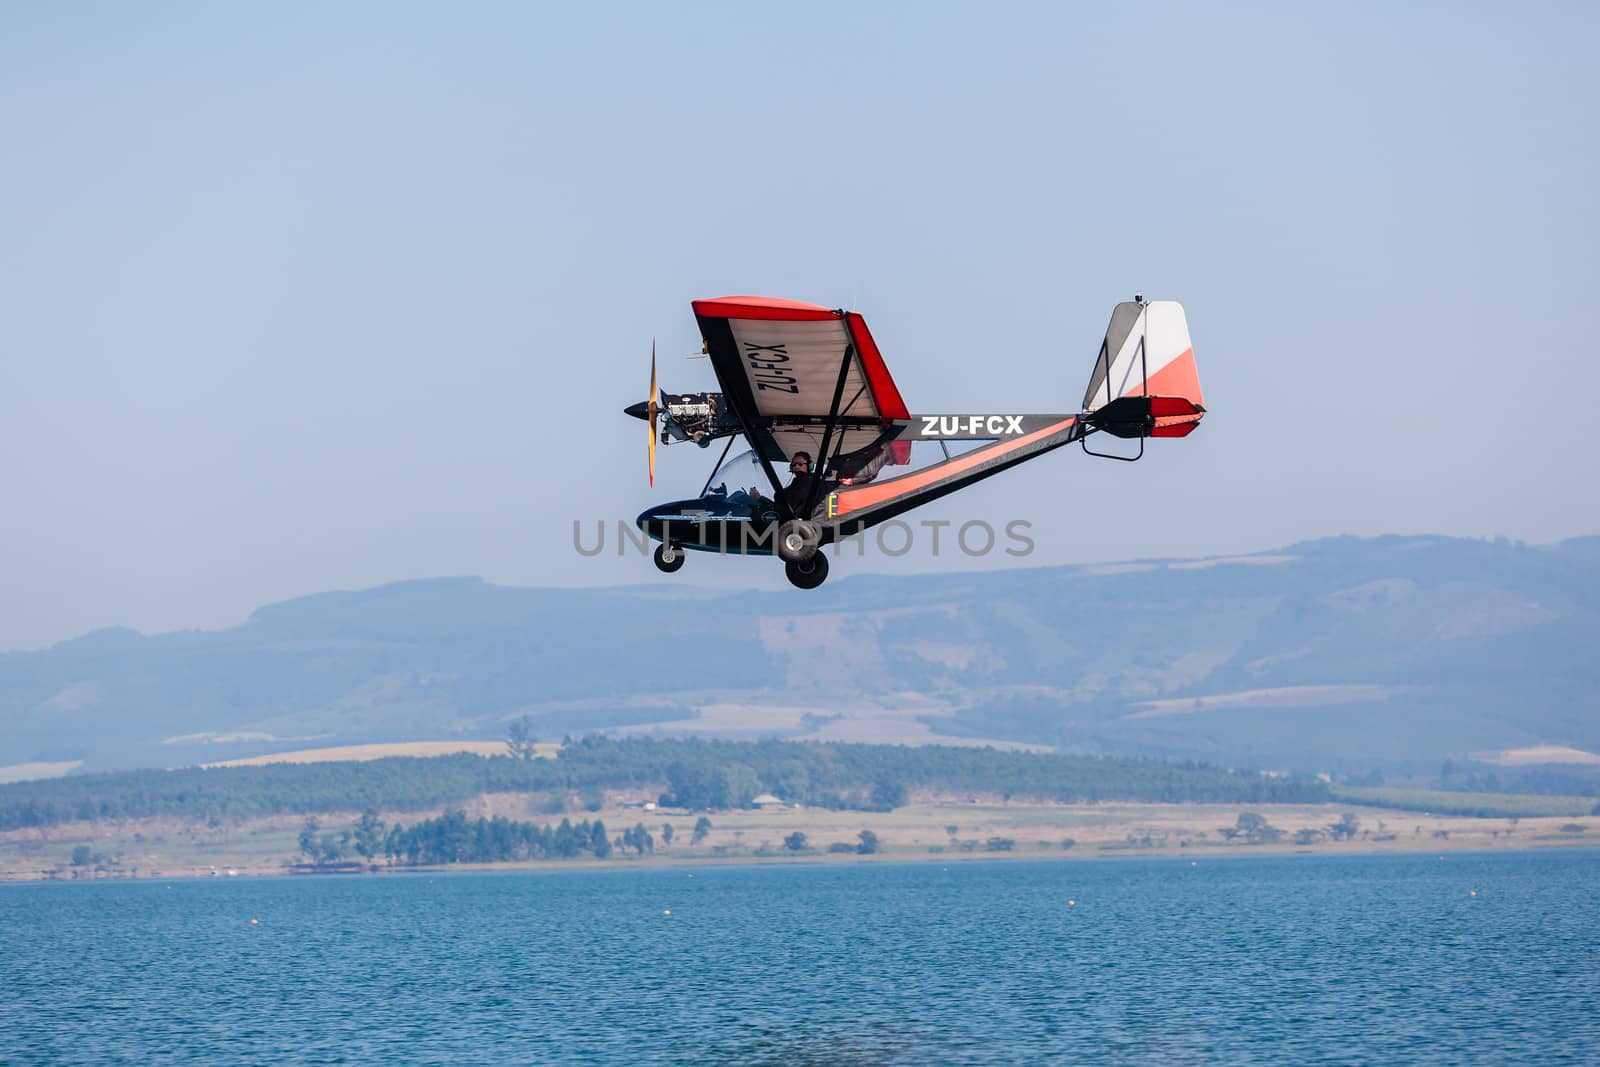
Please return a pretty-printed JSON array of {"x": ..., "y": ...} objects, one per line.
[{"x": 1147, "y": 354}]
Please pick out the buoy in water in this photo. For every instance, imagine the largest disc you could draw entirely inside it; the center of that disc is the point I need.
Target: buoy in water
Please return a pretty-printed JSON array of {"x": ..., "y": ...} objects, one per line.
[
  {"x": 252, "y": 922},
  {"x": 1072, "y": 903},
  {"x": 666, "y": 911},
  {"x": 1472, "y": 892}
]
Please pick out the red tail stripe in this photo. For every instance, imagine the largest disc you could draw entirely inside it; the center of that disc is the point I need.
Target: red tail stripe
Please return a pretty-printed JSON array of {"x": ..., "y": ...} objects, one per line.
[{"x": 1178, "y": 378}]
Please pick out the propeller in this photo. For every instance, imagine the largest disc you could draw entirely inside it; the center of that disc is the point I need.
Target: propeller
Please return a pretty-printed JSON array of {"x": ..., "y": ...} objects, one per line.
[{"x": 652, "y": 408}]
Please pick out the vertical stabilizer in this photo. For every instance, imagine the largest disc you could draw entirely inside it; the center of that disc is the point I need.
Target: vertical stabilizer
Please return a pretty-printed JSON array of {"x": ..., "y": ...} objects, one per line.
[{"x": 1146, "y": 352}]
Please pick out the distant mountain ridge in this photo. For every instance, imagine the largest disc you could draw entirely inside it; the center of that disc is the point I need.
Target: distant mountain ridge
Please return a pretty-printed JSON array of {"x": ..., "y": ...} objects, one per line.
[{"x": 1342, "y": 654}]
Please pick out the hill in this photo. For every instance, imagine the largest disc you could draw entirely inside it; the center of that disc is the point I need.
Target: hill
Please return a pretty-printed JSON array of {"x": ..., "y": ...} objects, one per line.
[{"x": 1343, "y": 655}]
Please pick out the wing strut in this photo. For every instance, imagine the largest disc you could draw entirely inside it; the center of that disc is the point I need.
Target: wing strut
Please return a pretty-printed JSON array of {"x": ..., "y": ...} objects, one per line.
[
  {"x": 827, "y": 433},
  {"x": 747, "y": 425},
  {"x": 720, "y": 460}
]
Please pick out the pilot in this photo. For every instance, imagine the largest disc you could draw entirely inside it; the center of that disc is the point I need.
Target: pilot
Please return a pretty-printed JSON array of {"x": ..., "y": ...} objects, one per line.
[{"x": 798, "y": 494}]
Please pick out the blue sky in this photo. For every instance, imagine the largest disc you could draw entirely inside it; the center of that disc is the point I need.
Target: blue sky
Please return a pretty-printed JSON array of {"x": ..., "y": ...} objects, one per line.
[{"x": 301, "y": 297}]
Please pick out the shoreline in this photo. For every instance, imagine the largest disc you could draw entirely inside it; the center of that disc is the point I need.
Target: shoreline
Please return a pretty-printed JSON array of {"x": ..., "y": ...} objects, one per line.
[
  {"x": 941, "y": 832},
  {"x": 705, "y": 861}
]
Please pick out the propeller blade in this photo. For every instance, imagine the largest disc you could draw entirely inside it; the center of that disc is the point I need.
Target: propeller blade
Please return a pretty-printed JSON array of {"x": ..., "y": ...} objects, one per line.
[{"x": 651, "y": 407}]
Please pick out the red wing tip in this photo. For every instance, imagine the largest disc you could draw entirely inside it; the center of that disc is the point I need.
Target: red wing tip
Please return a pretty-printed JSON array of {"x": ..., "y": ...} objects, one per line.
[{"x": 777, "y": 303}]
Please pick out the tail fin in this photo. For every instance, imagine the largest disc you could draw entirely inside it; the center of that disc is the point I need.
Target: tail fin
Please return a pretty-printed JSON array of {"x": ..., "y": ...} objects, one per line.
[{"x": 1145, "y": 382}]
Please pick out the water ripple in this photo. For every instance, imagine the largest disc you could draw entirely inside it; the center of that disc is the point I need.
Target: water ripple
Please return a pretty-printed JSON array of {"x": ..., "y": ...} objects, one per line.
[{"x": 1270, "y": 961}]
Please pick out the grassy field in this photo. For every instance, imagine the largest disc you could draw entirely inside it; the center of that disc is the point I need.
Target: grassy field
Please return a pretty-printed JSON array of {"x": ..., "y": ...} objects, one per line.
[
  {"x": 27, "y": 772},
  {"x": 1488, "y": 805},
  {"x": 371, "y": 752},
  {"x": 933, "y": 829}
]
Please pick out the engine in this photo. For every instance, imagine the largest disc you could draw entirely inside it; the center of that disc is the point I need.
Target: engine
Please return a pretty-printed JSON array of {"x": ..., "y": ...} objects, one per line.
[{"x": 697, "y": 417}]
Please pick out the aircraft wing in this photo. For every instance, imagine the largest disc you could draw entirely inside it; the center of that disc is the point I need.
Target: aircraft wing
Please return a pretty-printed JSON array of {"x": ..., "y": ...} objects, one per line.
[{"x": 779, "y": 364}]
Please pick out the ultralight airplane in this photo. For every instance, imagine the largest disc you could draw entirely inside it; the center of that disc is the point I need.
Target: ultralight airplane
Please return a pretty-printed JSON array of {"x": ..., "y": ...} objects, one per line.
[{"x": 807, "y": 388}]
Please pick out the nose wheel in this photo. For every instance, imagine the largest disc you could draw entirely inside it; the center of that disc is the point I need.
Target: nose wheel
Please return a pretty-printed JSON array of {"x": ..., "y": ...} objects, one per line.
[
  {"x": 807, "y": 573},
  {"x": 668, "y": 558}
]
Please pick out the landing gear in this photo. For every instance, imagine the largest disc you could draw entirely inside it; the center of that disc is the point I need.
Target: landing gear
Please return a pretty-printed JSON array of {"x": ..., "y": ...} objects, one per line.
[
  {"x": 668, "y": 557},
  {"x": 798, "y": 540},
  {"x": 807, "y": 573}
]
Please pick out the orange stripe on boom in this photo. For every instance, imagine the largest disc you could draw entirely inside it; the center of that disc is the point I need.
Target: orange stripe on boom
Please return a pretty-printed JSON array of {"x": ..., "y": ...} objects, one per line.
[{"x": 868, "y": 495}]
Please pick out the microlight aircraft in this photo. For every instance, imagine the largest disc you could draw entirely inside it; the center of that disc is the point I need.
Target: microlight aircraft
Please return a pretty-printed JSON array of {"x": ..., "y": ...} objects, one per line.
[{"x": 805, "y": 379}]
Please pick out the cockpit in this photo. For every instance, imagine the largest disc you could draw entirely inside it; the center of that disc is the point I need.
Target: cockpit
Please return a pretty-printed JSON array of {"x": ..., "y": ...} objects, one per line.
[
  {"x": 734, "y": 480},
  {"x": 739, "y": 473}
]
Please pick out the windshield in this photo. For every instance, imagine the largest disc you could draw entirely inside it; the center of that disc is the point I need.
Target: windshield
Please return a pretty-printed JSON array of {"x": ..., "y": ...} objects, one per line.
[{"x": 740, "y": 472}]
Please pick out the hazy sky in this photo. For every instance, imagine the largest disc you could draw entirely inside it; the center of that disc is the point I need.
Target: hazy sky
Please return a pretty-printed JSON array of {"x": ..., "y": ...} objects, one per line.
[{"x": 299, "y": 297}]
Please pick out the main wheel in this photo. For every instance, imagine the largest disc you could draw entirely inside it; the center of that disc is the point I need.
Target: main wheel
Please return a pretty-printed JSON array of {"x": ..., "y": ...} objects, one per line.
[
  {"x": 798, "y": 539},
  {"x": 668, "y": 557},
  {"x": 807, "y": 573}
]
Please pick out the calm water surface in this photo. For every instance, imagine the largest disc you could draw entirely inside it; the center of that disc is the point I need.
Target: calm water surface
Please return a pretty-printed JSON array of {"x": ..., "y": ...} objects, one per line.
[{"x": 1288, "y": 960}]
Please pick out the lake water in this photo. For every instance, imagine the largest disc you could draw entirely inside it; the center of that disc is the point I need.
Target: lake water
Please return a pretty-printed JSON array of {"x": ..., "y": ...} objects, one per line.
[{"x": 1290, "y": 960}]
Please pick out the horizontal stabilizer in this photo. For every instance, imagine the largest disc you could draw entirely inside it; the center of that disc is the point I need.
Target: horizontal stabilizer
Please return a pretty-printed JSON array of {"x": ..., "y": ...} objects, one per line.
[
  {"x": 1147, "y": 416},
  {"x": 1180, "y": 429},
  {"x": 1167, "y": 406}
]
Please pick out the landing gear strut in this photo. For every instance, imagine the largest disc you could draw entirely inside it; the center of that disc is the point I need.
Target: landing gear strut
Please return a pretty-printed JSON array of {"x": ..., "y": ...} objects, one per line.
[
  {"x": 668, "y": 557},
  {"x": 807, "y": 573}
]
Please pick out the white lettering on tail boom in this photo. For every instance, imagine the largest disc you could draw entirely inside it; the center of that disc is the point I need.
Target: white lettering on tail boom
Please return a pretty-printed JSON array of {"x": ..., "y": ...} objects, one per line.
[{"x": 970, "y": 426}]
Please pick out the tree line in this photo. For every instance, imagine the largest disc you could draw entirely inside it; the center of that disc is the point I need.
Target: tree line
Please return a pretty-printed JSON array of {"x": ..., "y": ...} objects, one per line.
[
  {"x": 691, "y": 773},
  {"x": 454, "y": 838}
]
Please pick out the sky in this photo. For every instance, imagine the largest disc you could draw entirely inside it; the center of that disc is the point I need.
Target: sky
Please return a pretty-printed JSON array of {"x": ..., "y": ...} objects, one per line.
[{"x": 300, "y": 297}]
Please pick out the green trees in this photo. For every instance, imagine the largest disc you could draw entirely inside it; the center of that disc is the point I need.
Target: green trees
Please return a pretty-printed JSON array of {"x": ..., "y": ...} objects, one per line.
[
  {"x": 1255, "y": 829},
  {"x": 1346, "y": 828},
  {"x": 666, "y": 834},
  {"x": 888, "y": 795},
  {"x": 697, "y": 774},
  {"x": 795, "y": 842},
  {"x": 453, "y": 838},
  {"x": 323, "y": 848},
  {"x": 638, "y": 839},
  {"x": 869, "y": 843},
  {"x": 702, "y": 828},
  {"x": 393, "y": 844},
  {"x": 369, "y": 836},
  {"x": 695, "y": 787},
  {"x": 520, "y": 742}
]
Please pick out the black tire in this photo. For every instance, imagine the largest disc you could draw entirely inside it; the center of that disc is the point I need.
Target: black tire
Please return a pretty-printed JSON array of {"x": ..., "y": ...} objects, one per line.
[
  {"x": 807, "y": 573},
  {"x": 668, "y": 563},
  {"x": 798, "y": 539}
]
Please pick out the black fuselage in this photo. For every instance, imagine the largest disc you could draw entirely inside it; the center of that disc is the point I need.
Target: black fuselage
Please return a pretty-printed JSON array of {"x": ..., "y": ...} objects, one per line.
[{"x": 733, "y": 525}]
